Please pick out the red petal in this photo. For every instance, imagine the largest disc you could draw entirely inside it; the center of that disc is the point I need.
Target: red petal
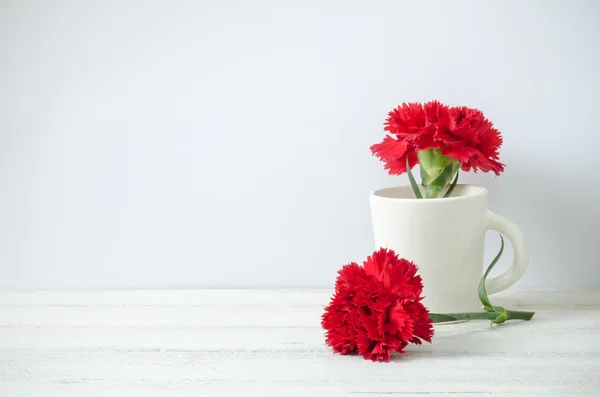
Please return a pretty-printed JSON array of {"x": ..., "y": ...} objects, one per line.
[{"x": 389, "y": 148}]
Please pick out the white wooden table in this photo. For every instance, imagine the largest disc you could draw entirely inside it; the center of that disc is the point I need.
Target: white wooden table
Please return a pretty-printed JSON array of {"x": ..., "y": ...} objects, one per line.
[{"x": 269, "y": 343}]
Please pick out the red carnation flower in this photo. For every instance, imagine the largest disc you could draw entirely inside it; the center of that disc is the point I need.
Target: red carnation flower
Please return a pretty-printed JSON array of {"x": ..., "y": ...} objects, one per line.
[
  {"x": 460, "y": 133},
  {"x": 376, "y": 308},
  {"x": 476, "y": 142}
]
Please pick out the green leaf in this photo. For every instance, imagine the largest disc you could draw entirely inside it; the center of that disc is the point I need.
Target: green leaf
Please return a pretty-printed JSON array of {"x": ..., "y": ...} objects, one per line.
[
  {"x": 483, "y": 296},
  {"x": 496, "y": 314},
  {"x": 413, "y": 183},
  {"x": 451, "y": 188}
]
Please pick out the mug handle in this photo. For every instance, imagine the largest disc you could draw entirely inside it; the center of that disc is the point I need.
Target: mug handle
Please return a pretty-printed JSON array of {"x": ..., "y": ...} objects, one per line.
[{"x": 521, "y": 252}]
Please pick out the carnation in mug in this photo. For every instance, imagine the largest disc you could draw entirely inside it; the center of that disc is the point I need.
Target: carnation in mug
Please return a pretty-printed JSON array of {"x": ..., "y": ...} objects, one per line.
[{"x": 445, "y": 238}]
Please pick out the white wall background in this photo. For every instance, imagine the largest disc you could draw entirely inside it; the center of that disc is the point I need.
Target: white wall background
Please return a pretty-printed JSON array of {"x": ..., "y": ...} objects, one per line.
[{"x": 223, "y": 143}]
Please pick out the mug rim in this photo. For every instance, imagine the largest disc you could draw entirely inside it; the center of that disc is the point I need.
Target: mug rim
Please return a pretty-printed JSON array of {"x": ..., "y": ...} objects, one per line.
[{"x": 480, "y": 191}]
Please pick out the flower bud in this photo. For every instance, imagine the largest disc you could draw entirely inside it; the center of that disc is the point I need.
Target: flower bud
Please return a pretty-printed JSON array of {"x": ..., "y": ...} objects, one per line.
[{"x": 437, "y": 171}]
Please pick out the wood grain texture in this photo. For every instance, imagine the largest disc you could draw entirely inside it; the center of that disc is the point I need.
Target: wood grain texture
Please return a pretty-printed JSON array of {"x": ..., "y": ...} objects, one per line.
[{"x": 269, "y": 343}]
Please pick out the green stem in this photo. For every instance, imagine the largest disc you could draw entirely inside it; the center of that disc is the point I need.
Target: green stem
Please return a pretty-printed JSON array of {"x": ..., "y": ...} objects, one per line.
[
  {"x": 496, "y": 314},
  {"x": 487, "y": 315},
  {"x": 442, "y": 318},
  {"x": 518, "y": 315}
]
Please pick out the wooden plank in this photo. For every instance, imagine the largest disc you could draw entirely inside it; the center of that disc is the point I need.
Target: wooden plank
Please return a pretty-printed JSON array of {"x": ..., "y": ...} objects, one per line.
[
  {"x": 415, "y": 373},
  {"x": 204, "y": 297},
  {"x": 288, "y": 340},
  {"x": 187, "y": 316},
  {"x": 180, "y": 335},
  {"x": 268, "y": 297}
]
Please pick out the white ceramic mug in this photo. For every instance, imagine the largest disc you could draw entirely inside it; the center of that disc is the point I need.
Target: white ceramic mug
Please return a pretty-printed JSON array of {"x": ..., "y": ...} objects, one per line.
[{"x": 445, "y": 238}]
